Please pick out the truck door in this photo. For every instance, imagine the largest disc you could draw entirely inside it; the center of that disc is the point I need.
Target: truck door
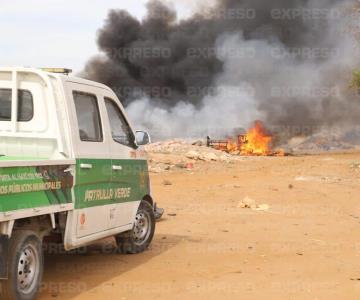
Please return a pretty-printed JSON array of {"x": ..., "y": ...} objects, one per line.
[
  {"x": 93, "y": 195},
  {"x": 129, "y": 173}
]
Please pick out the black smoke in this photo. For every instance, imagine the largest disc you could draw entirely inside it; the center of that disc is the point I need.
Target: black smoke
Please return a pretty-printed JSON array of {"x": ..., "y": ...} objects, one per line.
[{"x": 172, "y": 61}]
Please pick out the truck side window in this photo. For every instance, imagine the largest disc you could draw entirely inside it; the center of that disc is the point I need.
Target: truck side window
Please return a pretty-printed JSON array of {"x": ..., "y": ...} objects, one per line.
[
  {"x": 120, "y": 129},
  {"x": 88, "y": 115},
  {"x": 25, "y": 105}
]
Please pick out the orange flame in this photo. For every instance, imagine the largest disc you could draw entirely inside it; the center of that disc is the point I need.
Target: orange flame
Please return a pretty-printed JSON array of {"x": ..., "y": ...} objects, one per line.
[
  {"x": 258, "y": 141},
  {"x": 231, "y": 146}
]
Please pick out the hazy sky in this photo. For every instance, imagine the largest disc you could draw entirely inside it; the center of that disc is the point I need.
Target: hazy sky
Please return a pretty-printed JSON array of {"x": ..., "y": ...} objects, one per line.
[{"x": 58, "y": 33}]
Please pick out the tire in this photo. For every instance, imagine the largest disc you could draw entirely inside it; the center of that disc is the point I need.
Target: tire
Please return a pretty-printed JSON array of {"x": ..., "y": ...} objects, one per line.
[
  {"x": 139, "y": 238},
  {"x": 25, "y": 267}
]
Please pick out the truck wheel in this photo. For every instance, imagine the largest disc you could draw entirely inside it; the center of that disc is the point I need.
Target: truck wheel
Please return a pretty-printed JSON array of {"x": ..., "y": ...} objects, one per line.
[
  {"x": 139, "y": 238},
  {"x": 25, "y": 267}
]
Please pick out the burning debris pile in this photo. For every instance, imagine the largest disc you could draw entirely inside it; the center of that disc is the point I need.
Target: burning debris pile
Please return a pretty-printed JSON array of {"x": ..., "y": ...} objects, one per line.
[
  {"x": 258, "y": 141},
  {"x": 185, "y": 154}
]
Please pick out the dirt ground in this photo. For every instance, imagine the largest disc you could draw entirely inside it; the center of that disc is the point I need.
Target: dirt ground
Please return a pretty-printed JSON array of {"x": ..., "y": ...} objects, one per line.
[{"x": 306, "y": 246}]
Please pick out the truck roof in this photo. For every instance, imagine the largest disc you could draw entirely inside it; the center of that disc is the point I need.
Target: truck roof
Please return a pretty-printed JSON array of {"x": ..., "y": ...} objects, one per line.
[{"x": 62, "y": 77}]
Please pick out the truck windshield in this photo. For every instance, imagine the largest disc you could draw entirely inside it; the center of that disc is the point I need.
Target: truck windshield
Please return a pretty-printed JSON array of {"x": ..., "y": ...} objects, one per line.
[{"x": 25, "y": 105}]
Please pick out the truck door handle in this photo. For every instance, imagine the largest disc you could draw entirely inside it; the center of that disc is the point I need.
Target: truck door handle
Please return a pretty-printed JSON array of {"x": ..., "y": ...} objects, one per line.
[
  {"x": 117, "y": 168},
  {"x": 86, "y": 166}
]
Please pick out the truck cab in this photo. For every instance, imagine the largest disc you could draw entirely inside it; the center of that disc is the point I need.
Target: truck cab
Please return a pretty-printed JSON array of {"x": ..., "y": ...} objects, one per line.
[{"x": 70, "y": 164}]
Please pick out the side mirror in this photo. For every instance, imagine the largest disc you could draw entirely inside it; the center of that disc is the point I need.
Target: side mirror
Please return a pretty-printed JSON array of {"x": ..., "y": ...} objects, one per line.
[{"x": 142, "y": 138}]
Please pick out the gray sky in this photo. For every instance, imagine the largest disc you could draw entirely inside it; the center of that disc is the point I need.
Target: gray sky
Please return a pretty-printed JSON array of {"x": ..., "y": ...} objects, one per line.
[{"x": 59, "y": 33}]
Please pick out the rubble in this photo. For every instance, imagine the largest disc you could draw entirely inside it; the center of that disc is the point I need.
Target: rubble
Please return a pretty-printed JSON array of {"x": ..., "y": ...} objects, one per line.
[
  {"x": 193, "y": 155},
  {"x": 198, "y": 143},
  {"x": 319, "y": 178},
  {"x": 202, "y": 156},
  {"x": 326, "y": 140},
  {"x": 355, "y": 165},
  {"x": 247, "y": 202},
  {"x": 262, "y": 207},
  {"x": 182, "y": 154},
  {"x": 189, "y": 166}
]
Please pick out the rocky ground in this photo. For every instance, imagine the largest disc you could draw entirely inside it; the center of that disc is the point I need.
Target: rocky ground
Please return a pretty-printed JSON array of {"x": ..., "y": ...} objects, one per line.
[{"x": 234, "y": 228}]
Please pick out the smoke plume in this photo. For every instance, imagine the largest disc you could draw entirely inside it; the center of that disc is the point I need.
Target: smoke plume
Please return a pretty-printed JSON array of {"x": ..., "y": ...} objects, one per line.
[{"x": 287, "y": 62}]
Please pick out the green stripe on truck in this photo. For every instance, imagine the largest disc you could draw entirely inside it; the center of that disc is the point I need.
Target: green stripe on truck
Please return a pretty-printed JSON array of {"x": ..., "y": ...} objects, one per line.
[{"x": 31, "y": 187}]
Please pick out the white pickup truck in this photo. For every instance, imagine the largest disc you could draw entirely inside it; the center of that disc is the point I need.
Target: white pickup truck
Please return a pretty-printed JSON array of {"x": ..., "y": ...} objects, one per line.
[{"x": 70, "y": 165}]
